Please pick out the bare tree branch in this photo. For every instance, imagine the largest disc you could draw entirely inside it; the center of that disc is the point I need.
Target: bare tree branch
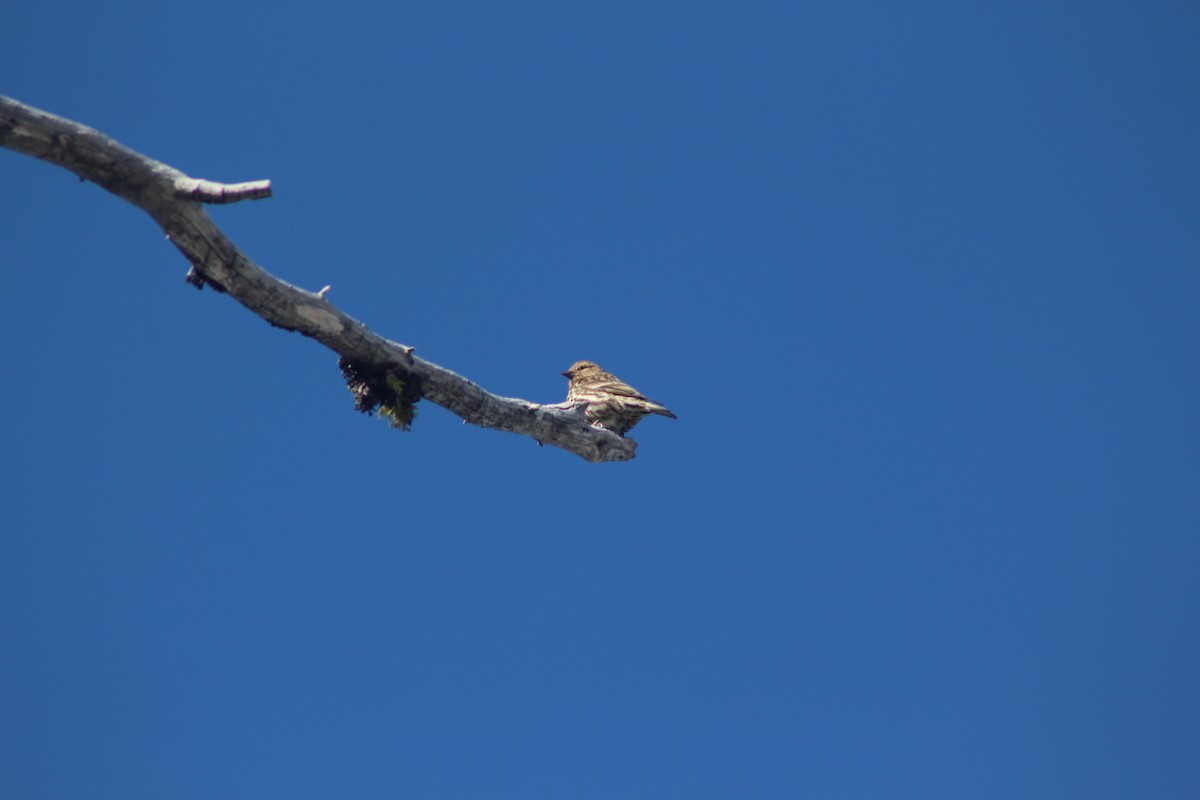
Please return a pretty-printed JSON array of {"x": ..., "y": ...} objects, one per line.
[{"x": 173, "y": 200}]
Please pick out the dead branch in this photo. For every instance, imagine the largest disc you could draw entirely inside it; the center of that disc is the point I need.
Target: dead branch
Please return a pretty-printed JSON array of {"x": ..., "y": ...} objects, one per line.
[{"x": 173, "y": 200}]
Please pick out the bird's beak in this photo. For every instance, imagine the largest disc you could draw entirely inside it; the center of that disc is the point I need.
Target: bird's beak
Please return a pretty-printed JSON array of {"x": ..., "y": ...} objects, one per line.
[{"x": 565, "y": 374}]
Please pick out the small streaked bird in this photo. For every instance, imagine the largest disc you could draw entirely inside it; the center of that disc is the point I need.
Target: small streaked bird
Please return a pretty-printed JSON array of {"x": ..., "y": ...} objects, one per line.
[{"x": 611, "y": 403}]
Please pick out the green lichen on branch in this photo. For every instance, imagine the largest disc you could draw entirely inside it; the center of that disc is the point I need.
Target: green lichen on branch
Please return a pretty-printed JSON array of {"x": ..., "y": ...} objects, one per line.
[{"x": 392, "y": 392}]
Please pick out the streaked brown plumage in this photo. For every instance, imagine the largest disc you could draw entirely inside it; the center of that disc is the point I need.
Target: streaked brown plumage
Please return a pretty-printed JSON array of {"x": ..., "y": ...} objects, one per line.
[{"x": 611, "y": 403}]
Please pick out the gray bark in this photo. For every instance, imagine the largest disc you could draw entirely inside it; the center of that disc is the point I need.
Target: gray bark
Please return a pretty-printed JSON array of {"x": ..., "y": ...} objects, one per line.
[{"x": 174, "y": 199}]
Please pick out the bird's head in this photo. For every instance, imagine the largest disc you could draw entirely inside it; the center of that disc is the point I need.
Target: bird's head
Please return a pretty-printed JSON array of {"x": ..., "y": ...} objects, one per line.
[{"x": 581, "y": 368}]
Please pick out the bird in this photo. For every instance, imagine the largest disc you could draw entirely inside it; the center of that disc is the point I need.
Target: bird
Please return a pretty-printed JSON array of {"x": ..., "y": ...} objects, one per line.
[{"x": 611, "y": 403}]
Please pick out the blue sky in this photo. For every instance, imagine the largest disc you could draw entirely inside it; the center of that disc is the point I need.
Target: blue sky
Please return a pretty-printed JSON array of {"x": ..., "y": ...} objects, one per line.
[{"x": 919, "y": 279}]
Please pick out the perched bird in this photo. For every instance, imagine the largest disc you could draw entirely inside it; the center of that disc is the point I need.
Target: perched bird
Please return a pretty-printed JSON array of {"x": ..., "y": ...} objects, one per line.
[{"x": 611, "y": 403}]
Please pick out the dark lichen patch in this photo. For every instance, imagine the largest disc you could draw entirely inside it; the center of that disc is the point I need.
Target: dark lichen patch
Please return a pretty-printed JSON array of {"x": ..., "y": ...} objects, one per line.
[{"x": 392, "y": 392}]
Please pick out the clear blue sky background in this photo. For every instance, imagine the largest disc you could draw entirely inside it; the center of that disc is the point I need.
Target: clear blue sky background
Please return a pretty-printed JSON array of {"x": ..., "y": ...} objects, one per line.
[{"x": 921, "y": 280}]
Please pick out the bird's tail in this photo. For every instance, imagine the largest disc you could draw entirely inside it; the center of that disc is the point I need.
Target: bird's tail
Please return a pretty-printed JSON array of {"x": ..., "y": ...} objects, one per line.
[{"x": 655, "y": 408}]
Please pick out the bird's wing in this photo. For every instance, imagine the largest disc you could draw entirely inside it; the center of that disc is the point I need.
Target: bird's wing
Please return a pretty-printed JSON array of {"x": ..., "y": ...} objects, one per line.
[
  {"x": 625, "y": 390},
  {"x": 622, "y": 389}
]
